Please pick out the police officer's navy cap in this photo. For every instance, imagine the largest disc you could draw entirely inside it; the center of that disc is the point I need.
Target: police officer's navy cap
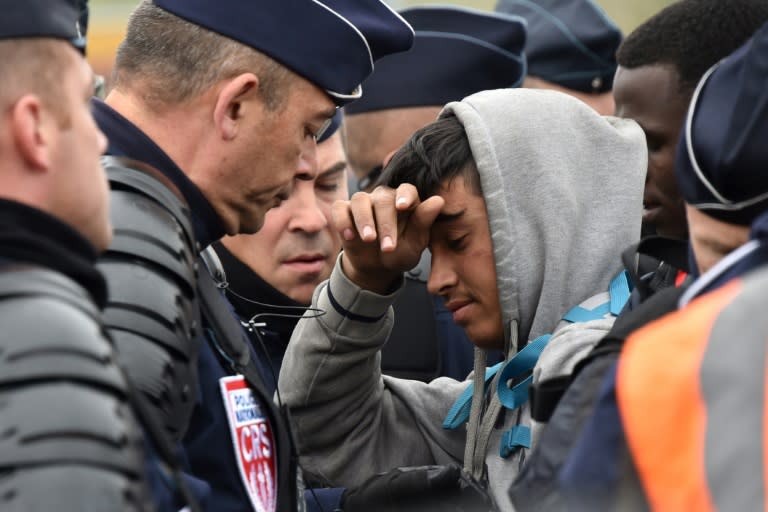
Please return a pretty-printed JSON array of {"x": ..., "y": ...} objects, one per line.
[
  {"x": 331, "y": 43},
  {"x": 57, "y": 19},
  {"x": 457, "y": 52},
  {"x": 722, "y": 157},
  {"x": 571, "y": 43},
  {"x": 82, "y": 26}
]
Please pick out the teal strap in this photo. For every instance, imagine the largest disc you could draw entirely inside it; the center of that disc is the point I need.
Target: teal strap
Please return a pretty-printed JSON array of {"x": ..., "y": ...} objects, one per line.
[
  {"x": 523, "y": 361},
  {"x": 619, "y": 291},
  {"x": 579, "y": 314},
  {"x": 459, "y": 412},
  {"x": 514, "y": 438}
]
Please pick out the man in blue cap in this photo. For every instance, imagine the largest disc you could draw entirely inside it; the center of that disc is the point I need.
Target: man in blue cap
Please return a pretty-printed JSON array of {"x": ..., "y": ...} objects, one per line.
[
  {"x": 456, "y": 52},
  {"x": 71, "y": 440},
  {"x": 571, "y": 48},
  {"x": 219, "y": 104}
]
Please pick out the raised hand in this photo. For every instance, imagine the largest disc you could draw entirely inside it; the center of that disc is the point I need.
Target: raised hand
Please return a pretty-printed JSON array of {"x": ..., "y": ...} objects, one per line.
[{"x": 384, "y": 233}]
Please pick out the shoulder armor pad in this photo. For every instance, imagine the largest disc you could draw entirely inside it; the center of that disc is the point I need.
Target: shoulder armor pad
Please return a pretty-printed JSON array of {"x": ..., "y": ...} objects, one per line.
[
  {"x": 55, "y": 422},
  {"x": 65, "y": 418},
  {"x": 151, "y": 270},
  {"x": 51, "y": 331},
  {"x": 70, "y": 488}
]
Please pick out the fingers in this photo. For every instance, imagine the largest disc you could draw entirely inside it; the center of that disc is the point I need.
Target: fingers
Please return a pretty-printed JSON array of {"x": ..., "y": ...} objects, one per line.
[
  {"x": 406, "y": 197},
  {"x": 383, "y": 201},
  {"x": 341, "y": 219},
  {"x": 425, "y": 214},
  {"x": 367, "y": 216},
  {"x": 379, "y": 215}
]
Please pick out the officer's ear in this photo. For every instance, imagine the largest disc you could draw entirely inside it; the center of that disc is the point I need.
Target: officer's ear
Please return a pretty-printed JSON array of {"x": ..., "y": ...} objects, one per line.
[
  {"x": 33, "y": 130},
  {"x": 235, "y": 99}
]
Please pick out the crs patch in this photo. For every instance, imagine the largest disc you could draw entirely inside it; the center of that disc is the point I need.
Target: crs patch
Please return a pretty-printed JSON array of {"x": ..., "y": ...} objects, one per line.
[{"x": 253, "y": 441}]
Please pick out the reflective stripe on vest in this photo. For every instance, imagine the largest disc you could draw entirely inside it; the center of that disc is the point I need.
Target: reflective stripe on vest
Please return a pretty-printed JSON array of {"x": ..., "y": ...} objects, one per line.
[{"x": 691, "y": 393}]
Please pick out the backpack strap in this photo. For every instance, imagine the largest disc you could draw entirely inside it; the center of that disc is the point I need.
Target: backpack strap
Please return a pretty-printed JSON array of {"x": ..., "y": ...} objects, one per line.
[
  {"x": 459, "y": 412},
  {"x": 546, "y": 395},
  {"x": 516, "y": 377},
  {"x": 619, "y": 291}
]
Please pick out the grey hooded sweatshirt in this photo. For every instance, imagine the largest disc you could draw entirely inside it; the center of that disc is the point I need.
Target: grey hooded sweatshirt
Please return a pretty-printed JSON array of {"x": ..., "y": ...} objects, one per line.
[{"x": 563, "y": 189}]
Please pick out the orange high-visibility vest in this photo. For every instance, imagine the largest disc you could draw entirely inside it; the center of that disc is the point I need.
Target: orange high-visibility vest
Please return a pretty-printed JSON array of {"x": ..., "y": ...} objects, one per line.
[{"x": 691, "y": 391}]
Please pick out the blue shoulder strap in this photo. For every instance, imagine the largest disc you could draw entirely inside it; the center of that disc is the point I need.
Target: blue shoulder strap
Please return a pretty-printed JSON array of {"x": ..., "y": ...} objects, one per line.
[
  {"x": 524, "y": 361},
  {"x": 459, "y": 412},
  {"x": 618, "y": 291}
]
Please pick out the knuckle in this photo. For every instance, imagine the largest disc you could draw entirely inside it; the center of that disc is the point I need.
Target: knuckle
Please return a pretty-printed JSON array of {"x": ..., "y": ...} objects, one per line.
[
  {"x": 381, "y": 194},
  {"x": 386, "y": 226}
]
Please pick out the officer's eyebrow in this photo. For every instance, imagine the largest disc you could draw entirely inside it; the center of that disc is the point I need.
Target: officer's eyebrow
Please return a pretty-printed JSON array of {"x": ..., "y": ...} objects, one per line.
[
  {"x": 336, "y": 168},
  {"x": 327, "y": 114},
  {"x": 448, "y": 217}
]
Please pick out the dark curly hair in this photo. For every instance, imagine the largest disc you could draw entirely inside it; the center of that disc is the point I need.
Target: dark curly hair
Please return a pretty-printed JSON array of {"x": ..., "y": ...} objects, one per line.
[{"x": 692, "y": 36}]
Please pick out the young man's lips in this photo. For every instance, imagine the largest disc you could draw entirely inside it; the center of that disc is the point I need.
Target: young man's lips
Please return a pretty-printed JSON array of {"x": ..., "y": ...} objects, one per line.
[{"x": 460, "y": 310}]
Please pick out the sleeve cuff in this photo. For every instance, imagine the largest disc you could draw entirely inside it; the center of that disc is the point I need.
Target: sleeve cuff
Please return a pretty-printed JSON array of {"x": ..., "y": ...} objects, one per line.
[{"x": 344, "y": 301}]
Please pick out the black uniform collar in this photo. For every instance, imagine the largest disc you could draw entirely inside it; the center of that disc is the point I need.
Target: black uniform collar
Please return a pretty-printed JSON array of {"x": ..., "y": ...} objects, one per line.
[
  {"x": 247, "y": 283},
  {"x": 126, "y": 139},
  {"x": 29, "y": 235}
]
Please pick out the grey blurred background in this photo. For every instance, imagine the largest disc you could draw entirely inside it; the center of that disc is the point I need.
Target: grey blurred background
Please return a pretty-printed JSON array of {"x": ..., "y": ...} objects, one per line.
[{"x": 108, "y": 19}]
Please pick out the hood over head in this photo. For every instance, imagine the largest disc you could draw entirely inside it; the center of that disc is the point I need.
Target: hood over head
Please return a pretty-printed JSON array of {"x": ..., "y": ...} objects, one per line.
[{"x": 563, "y": 187}]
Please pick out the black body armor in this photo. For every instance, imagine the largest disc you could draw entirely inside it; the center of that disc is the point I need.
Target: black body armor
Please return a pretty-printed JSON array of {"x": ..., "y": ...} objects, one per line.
[
  {"x": 150, "y": 268},
  {"x": 69, "y": 440}
]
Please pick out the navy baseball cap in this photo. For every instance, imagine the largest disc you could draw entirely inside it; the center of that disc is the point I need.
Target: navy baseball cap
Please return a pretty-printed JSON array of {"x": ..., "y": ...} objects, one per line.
[
  {"x": 57, "y": 19},
  {"x": 571, "y": 43},
  {"x": 331, "y": 43},
  {"x": 722, "y": 156},
  {"x": 456, "y": 52}
]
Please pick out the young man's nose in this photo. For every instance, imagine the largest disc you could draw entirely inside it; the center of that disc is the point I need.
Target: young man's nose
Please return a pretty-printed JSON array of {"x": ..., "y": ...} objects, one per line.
[{"x": 441, "y": 277}]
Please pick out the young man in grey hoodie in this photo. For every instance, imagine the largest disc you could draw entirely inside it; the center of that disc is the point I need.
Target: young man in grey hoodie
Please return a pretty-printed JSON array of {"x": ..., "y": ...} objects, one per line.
[{"x": 529, "y": 198}]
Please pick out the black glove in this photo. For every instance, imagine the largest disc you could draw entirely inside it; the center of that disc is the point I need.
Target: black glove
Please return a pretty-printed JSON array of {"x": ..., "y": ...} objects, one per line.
[{"x": 422, "y": 489}]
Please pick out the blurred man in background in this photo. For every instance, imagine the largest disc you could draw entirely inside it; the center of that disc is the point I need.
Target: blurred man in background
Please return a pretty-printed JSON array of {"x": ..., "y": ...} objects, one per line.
[{"x": 571, "y": 48}]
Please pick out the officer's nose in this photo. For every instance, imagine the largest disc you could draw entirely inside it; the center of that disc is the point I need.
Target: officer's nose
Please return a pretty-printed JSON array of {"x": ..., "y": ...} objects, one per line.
[{"x": 306, "y": 214}]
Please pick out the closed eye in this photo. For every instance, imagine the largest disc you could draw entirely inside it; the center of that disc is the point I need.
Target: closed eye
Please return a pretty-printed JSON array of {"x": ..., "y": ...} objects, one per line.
[
  {"x": 456, "y": 243},
  {"x": 328, "y": 187}
]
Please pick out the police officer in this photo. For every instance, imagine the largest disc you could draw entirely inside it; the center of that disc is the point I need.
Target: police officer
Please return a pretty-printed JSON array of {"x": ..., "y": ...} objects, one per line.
[
  {"x": 269, "y": 276},
  {"x": 219, "y": 106},
  {"x": 571, "y": 48},
  {"x": 70, "y": 439}
]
